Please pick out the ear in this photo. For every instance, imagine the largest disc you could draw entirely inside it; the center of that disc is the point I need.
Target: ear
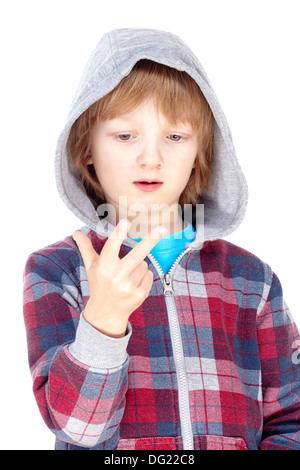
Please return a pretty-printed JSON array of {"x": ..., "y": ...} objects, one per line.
[{"x": 89, "y": 159}]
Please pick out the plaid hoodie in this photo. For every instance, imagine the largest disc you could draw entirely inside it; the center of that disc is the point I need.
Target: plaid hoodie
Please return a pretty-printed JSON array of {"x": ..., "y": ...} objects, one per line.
[{"x": 210, "y": 359}]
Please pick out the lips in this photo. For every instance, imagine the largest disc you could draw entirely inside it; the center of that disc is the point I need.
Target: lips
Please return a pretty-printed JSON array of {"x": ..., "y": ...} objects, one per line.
[{"x": 148, "y": 185}]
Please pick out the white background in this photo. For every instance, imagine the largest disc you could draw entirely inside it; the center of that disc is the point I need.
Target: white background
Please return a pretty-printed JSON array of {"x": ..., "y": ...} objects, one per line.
[{"x": 250, "y": 50}]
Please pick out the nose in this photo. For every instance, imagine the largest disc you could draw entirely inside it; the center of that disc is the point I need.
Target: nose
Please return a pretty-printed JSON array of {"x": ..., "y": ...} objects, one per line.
[{"x": 150, "y": 155}]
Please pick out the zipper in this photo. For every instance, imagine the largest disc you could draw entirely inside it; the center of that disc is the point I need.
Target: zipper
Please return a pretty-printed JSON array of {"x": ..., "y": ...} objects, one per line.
[
  {"x": 167, "y": 282},
  {"x": 183, "y": 389}
]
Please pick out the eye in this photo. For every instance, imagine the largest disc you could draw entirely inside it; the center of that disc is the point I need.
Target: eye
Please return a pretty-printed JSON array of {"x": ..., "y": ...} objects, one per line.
[
  {"x": 175, "y": 137},
  {"x": 124, "y": 137}
]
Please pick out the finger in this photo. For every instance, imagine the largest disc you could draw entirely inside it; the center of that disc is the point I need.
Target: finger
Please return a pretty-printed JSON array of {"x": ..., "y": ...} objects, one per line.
[
  {"x": 112, "y": 246},
  {"x": 143, "y": 248},
  {"x": 86, "y": 249},
  {"x": 139, "y": 272},
  {"x": 146, "y": 284}
]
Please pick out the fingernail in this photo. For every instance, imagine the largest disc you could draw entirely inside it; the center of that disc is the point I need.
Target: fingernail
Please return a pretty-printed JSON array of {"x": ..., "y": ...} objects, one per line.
[
  {"x": 163, "y": 230},
  {"x": 124, "y": 224},
  {"x": 160, "y": 231}
]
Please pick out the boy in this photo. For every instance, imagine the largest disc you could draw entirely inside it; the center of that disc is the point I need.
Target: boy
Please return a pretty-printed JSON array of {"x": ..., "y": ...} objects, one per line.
[{"x": 147, "y": 330}]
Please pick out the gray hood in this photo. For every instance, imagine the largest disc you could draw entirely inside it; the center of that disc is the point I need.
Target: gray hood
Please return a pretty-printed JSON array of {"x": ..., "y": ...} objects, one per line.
[{"x": 113, "y": 58}]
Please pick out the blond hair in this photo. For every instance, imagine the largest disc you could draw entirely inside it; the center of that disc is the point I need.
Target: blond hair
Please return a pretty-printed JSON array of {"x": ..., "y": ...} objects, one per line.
[{"x": 175, "y": 94}]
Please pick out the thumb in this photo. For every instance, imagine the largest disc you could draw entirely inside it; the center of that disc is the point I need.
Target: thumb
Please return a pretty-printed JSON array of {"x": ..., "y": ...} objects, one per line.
[{"x": 86, "y": 249}]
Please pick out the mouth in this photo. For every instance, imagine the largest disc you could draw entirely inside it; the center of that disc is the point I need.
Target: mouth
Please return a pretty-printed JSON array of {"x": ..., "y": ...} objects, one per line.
[{"x": 148, "y": 185}]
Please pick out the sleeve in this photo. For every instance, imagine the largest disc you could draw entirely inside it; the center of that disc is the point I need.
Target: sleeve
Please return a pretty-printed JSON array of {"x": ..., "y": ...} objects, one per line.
[
  {"x": 79, "y": 375},
  {"x": 279, "y": 340}
]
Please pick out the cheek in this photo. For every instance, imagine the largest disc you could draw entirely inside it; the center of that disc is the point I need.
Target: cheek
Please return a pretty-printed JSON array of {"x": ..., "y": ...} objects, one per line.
[
  {"x": 185, "y": 165},
  {"x": 191, "y": 159},
  {"x": 111, "y": 174},
  {"x": 103, "y": 163},
  {"x": 183, "y": 173}
]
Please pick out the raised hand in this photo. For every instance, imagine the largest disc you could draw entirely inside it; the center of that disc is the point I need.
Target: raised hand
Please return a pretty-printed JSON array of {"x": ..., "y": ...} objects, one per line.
[{"x": 117, "y": 286}]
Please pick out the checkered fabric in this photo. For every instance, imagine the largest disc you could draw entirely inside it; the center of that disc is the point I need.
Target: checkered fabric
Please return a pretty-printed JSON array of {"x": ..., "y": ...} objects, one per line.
[{"x": 240, "y": 355}]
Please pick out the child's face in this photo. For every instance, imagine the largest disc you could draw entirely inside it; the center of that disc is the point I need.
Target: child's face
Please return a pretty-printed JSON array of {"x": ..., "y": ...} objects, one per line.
[{"x": 138, "y": 146}]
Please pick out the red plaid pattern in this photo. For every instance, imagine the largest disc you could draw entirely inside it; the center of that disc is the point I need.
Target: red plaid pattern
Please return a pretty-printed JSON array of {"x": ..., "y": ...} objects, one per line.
[{"x": 240, "y": 356}]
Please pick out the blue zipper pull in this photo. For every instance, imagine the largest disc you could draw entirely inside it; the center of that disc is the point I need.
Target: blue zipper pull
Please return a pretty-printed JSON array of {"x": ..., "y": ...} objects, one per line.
[{"x": 168, "y": 288}]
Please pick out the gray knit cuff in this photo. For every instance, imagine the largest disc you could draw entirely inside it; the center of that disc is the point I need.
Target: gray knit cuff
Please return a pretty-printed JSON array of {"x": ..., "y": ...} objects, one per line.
[{"x": 95, "y": 349}]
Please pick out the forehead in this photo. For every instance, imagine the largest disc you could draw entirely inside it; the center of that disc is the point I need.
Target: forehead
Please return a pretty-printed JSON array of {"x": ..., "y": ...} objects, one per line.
[{"x": 147, "y": 112}]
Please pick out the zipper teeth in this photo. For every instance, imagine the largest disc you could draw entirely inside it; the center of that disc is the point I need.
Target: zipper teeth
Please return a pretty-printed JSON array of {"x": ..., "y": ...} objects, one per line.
[
  {"x": 158, "y": 268},
  {"x": 183, "y": 391},
  {"x": 177, "y": 260}
]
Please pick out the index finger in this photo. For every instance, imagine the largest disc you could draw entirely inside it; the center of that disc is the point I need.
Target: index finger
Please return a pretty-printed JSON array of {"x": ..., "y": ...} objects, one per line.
[
  {"x": 112, "y": 246},
  {"x": 143, "y": 248}
]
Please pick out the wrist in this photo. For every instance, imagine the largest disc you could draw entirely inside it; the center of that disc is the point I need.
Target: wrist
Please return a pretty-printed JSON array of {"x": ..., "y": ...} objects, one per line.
[{"x": 108, "y": 324}]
